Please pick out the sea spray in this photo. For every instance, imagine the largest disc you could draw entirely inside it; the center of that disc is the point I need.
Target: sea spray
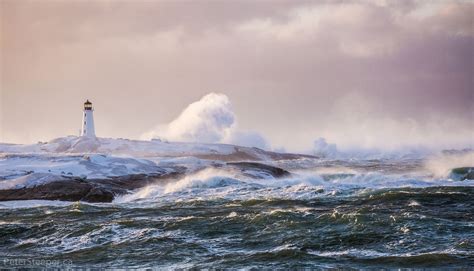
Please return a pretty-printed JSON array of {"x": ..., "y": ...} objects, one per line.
[{"x": 441, "y": 165}]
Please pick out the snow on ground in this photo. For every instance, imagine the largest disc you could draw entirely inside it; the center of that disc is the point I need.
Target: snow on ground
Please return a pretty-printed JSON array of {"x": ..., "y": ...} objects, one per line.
[
  {"x": 30, "y": 180},
  {"x": 98, "y": 158},
  {"x": 26, "y": 170},
  {"x": 73, "y": 144}
]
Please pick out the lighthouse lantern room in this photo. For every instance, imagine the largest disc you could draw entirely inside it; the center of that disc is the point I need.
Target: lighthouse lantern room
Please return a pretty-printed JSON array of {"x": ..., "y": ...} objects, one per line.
[{"x": 88, "y": 120}]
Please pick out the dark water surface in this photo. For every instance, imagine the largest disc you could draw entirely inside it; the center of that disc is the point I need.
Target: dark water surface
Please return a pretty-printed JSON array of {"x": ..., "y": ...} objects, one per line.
[{"x": 359, "y": 228}]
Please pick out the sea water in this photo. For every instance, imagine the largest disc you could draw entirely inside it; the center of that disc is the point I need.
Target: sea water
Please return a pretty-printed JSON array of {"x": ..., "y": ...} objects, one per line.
[{"x": 369, "y": 214}]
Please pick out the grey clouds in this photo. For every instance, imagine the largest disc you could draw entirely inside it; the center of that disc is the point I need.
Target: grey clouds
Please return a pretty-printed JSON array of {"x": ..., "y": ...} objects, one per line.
[{"x": 370, "y": 74}]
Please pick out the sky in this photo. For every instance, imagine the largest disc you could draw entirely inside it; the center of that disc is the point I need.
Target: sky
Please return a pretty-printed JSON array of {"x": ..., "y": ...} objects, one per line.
[{"x": 275, "y": 74}]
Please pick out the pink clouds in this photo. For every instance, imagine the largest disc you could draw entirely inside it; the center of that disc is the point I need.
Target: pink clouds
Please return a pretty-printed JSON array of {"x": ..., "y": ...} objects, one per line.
[{"x": 284, "y": 65}]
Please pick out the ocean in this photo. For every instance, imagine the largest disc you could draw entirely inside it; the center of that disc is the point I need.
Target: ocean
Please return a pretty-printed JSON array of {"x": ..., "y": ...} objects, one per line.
[{"x": 364, "y": 214}]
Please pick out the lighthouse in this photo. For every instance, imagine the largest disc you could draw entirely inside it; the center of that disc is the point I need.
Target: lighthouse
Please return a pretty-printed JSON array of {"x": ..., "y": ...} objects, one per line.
[{"x": 88, "y": 120}]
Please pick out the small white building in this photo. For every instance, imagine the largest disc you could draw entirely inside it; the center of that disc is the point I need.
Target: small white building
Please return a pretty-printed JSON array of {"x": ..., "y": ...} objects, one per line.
[{"x": 88, "y": 120}]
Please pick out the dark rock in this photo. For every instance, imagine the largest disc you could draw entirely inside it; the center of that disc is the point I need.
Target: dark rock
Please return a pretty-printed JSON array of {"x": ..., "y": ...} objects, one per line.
[
  {"x": 104, "y": 190},
  {"x": 97, "y": 194},
  {"x": 90, "y": 190},
  {"x": 70, "y": 190},
  {"x": 275, "y": 172},
  {"x": 462, "y": 173},
  {"x": 252, "y": 154}
]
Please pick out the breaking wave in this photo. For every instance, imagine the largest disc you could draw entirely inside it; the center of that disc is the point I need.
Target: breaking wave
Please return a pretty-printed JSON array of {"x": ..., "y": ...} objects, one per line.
[
  {"x": 211, "y": 184},
  {"x": 390, "y": 227},
  {"x": 330, "y": 217}
]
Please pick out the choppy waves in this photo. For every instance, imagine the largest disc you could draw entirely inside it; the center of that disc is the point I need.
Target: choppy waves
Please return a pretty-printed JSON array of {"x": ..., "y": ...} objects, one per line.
[
  {"x": 217, "y": 219},
  {"x": 215, "y": 184},
  {"x": 402, "y": 227}
]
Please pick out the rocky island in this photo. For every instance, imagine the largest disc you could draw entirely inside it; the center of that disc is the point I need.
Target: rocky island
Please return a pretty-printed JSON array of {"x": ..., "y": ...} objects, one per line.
[{"x": 99, "y": 169}]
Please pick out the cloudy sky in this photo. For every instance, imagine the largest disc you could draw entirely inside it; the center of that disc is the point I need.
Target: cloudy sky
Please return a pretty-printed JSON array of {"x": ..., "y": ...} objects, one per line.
[{"x": 369, "y": 74}]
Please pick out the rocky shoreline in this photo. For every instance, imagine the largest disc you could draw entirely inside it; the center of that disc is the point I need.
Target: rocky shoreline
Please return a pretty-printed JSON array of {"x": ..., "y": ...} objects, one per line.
[{"x": 105, "y": 190}]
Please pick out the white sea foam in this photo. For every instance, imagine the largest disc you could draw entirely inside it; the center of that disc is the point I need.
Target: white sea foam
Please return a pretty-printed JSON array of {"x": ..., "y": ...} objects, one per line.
[
  {"x": 33, "y": 203},
  {"x": 372, "y": 254},
  {"x": 212, "y": 184},
  {"x": 441, "y": 165},
  {"x": 208, "y": 178}
]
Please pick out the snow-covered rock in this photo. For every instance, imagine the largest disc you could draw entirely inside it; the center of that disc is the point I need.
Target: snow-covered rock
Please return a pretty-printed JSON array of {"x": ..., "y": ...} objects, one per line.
[
  {"x": 103, "y": 158},
  {"x": 13, "y": 166},
  {"x": 30, "y": 180}
]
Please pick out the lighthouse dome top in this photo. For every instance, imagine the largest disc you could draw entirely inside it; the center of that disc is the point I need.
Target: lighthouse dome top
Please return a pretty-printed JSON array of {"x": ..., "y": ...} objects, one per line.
[{"x": 88, "y": 105}]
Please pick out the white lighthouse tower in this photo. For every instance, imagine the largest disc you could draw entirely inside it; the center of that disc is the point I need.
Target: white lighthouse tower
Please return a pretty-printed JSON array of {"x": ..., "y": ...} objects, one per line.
[{"x": 88, "y": 120}]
